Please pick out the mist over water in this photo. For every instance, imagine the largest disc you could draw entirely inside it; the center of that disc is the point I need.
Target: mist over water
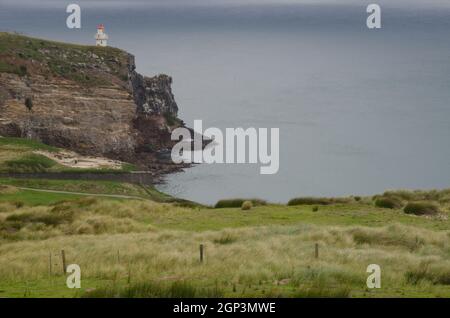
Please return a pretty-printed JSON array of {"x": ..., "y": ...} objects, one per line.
[{"x": 359, "y": 111}]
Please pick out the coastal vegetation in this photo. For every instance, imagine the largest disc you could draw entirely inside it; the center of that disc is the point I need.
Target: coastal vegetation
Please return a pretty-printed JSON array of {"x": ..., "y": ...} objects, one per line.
[
  {"x": 19, "y": 53},
  {"x": 131, "y": 240},
  {"x": 421, "y": 208},
  {"x": 317, "y": 201},
  {"x": 148, "y": 246},
  {"x": 247, "y": 205},
  {"x": 237, "y": 203},
  {"x": 388, "y": 202}
]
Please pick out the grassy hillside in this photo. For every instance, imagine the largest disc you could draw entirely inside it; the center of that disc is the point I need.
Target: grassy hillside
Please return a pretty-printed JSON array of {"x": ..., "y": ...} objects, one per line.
[
  {"x": 21, "y": 55},
  {"x": 141, "y": 248},
  {"x": 18, "y": 155}
]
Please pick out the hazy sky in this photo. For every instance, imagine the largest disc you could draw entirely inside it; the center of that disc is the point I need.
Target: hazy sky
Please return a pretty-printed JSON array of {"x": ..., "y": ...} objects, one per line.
[{"x": 128, "y": 3}]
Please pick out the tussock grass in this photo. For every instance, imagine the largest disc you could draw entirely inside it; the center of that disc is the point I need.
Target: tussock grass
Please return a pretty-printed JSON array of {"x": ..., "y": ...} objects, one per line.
[
  {"x": 6, "y": 189},
  {"x": 317, "y": 201},
  {"x": 397, "y": 235},
  {"x": 80, "y": 216},
  {"x": 237, "y": 203},
  {"x": 246, "y": 205},
  {"x": 7, "y": 207},
  {"x": 141, "y": 248},
  {"x": 441, "y": 196},
  {"x": 388, "y": 202},
  {"x": 225, "y": 238},
  {"x": 421, "y": 208},
  {"x": 439, "y": 274},
  {"x": 270, "y": 261}
]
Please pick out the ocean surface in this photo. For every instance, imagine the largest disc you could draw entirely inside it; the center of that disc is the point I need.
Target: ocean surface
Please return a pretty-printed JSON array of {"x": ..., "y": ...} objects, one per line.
[{"x": 359, "y": 111}]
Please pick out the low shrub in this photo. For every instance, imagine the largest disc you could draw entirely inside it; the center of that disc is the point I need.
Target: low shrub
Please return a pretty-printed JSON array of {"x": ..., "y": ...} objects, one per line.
[
  {"x": 420, "y": 195},
  {"x": 171, "y": 119},
  {"x": 402, "y": 194},
  {"x": 225, "y": 239},
  {"x": 388, "y": 203},
  {"x": 18, "y": 204},
  {"x": 315, "y": 208},
  {"x": 47, "y": 218},
  {"x": 237, "y": 203},
  {"x": 247, "y": 205},
  {"x": 435, "y": 275},
  {"x": 7, "y": 207},
  {"x": 316, "y": 201},
  {"x": 393, "y": 235},
  {"x": 421, "y": 208},
  {"x": 185, "y": 203}
]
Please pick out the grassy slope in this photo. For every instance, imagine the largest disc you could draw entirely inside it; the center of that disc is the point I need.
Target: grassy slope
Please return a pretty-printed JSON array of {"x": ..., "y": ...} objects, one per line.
[
  {"x": 16, "y": 155},
  {"x": 100, "y": 187},
  {"x": 16, "y": 51},
  {"x": 143, "y": 248}
]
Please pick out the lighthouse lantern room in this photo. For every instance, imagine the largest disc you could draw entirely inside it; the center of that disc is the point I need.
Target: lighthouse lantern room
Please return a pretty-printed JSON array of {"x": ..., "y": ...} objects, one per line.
[{"x": 101, "y": 37}]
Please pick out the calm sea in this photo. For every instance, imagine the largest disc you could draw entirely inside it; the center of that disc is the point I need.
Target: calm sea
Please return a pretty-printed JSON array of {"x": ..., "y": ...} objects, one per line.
[{"x": 359, "y": 111}]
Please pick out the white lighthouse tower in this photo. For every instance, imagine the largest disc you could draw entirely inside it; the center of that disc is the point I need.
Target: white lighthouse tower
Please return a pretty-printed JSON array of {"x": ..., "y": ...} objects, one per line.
[{"x": 101, "y": 38}]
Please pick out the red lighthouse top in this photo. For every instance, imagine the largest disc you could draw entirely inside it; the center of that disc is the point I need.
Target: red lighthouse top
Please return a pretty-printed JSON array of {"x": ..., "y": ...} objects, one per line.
[{"x": 100, "y": 26}]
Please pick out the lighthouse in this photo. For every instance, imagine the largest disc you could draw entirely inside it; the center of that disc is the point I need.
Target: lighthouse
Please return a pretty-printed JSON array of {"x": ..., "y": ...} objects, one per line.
[{"x": 101, "y": 37}]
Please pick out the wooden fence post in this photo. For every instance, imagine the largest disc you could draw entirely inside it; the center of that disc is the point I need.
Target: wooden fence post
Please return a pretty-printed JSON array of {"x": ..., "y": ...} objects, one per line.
[
  {"x": 317, "y": 250},
  {"x": 50, "y": 263},
  {"x": 63, "y": 259},
  {"x": 201, "y": 253}
]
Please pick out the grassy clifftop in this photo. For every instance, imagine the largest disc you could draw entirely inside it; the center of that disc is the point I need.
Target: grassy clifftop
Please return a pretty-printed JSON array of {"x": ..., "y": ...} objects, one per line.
[{"x": 87, "y": 65}]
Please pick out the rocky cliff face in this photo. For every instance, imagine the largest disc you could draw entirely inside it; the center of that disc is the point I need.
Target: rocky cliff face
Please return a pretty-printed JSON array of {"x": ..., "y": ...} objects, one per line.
[
  {"x": 152, "y": 95},
  {"x": 87, "y": 99}
]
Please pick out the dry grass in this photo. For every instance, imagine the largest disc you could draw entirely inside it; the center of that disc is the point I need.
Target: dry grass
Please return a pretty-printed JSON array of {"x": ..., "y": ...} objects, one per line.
[
  {"x": 148, "y": 249},
  {"x": 81, "y": 216},
  {"x": 256, "y": 261},
  {"x": 6, "y": 189}
]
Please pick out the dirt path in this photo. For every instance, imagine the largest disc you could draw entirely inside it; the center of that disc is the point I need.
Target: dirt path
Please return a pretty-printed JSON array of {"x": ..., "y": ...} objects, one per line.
[
  {"x": 72, "y": 159},
  {"x": 119, "y": 196}
]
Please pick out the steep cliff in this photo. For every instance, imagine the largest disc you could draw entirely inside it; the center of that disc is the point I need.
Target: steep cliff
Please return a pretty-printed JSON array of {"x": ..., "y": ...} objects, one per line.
[{"x": 84, "y": 98}]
